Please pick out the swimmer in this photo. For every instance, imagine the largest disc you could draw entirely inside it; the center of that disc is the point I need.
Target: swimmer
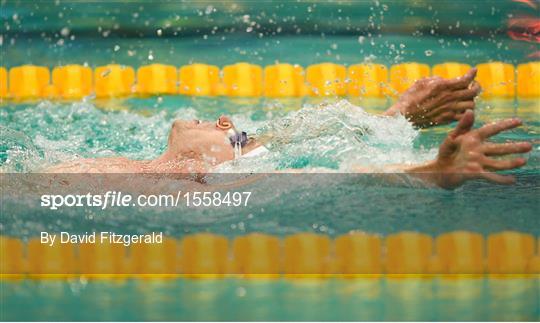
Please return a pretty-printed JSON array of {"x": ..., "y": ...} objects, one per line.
[{"x": 196, "y": 147}]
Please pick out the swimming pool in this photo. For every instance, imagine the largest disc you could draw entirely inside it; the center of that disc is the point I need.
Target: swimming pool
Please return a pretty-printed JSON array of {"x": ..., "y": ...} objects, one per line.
[
  {"x": 323, "y": 300},
  {"x": 44, "y": 132}
]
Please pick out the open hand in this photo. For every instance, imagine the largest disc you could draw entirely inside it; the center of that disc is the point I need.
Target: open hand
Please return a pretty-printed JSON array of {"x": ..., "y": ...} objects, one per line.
[
  {"x": 434, "y": 100},
  {"x": 465, "y": 154}
]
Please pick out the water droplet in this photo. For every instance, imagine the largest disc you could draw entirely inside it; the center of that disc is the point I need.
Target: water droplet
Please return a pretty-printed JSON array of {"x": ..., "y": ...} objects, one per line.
[
  {"x": 428, "y": 52},
  {"x": 65, "y": 31},
  {"x": 241, "y": 292}
]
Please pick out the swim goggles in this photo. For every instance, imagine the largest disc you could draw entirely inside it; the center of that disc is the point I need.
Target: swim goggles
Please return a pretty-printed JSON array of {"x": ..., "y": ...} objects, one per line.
[{"x": 237, "y": 138}]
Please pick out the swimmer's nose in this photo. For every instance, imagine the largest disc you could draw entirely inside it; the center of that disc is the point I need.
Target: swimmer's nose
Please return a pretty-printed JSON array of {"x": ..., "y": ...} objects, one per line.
[{"x": 224, "y": 123}]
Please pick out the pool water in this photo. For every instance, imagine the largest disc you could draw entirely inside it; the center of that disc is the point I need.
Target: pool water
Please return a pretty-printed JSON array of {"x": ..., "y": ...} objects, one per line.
[
  {"x": 335, "y": 135},
  {"x": 252, "y": 300},
  {"x": 41, "y": 134}
]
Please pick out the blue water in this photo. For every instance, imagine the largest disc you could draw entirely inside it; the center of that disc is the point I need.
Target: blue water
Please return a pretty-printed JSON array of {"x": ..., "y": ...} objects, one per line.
[
  {"x": 251, "y": 300},
  {"x": 39, "y": 134}
]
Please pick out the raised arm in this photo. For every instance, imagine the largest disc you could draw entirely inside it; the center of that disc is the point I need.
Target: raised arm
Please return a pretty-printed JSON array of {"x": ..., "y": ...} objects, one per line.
[
  {"x": 433, "y": 101},
  {"x": 466, "y": 154}
]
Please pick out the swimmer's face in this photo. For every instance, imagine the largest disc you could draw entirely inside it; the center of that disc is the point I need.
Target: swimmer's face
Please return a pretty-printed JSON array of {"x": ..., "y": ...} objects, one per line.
[{"x": 207, "y": 141}]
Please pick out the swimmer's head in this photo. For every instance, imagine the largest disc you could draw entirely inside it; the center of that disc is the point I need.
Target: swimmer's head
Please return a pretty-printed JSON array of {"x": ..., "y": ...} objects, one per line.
[{"x": 211, "y": 142}]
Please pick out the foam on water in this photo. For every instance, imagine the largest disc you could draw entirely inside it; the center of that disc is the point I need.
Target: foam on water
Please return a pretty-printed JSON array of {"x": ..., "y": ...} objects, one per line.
[
  {"x": 60, "y": 132},
  {"x": 335, "y": 136},
  {"x": 330, "y": 135},
  {"x": 17, "y": 151}
]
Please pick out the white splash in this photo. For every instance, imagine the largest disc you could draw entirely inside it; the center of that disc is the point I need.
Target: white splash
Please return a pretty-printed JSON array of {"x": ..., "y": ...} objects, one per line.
[{"x": 334, "y": 136}]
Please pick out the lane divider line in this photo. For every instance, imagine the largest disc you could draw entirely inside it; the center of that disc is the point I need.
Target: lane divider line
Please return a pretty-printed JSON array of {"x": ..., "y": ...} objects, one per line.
[{"x": 74, "y": 82}]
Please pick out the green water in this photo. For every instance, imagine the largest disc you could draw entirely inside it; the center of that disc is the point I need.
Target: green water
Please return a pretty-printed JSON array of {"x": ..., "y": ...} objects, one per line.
[
  {"x": 174, "y": 32},
  {"x": 36, "y": 136},
  {"x": 244, "y": 300},
  {"x": 39, "y": 134}
]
